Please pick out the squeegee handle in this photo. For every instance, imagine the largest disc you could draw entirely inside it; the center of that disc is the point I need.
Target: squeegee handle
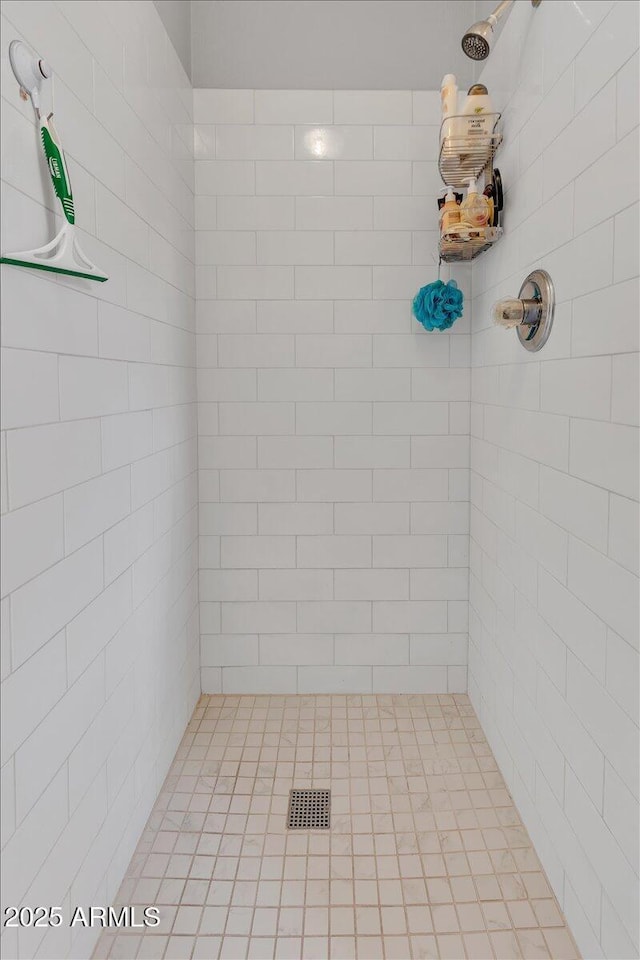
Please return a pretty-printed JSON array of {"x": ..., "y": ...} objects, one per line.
[{"x": 57, "y": 168}]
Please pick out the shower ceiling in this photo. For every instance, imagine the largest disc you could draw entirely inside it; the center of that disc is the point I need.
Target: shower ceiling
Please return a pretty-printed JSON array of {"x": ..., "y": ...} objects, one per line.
[{"x": 330, "y": 44}]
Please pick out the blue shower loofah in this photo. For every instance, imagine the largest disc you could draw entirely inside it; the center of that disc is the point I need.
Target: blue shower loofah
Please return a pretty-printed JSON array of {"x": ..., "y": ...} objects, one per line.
[{"x": 438, "y": 304}]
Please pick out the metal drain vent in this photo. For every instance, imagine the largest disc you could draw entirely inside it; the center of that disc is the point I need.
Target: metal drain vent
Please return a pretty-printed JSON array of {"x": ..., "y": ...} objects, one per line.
[{"x": 309, "y": 810}]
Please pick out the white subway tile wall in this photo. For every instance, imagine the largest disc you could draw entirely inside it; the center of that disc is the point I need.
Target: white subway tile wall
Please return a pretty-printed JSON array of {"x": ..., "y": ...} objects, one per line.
[
  {"x": 333, "y": 431},
  {"x": 553, "y": 660},
  {"x": 99, "y": 528}
]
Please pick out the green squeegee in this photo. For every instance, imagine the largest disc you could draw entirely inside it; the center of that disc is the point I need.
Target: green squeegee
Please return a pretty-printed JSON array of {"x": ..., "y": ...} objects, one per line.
[{"x": 63, "y": 253}]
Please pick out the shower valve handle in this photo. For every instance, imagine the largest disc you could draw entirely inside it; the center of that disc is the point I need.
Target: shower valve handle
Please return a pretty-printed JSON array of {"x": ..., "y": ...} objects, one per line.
[{"x": 514, "y": 312}]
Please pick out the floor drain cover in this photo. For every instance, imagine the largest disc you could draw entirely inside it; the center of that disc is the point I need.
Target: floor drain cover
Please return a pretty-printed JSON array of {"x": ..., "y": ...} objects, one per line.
[{"x": 309, "y": 810}]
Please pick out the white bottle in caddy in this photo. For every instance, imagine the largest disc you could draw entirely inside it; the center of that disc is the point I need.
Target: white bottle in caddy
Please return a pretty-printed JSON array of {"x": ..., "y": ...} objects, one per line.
[
  {"x": 449, "y": 101},
  {"x": 479, "y": 115}
]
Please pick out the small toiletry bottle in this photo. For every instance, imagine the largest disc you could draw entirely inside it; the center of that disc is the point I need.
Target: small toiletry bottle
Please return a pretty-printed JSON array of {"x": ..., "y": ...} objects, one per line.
[
  {"x": 474, "y": 211},
  {"x": 449, "y": 101},
  {"x": 479, "y": 107},
  {"x": 450, "y": 213},
  {"x": 489, "y": 193}
]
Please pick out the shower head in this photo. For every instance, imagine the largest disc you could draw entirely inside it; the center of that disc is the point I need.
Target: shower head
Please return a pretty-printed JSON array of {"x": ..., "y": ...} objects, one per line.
[{"x": 476, "y": 41}]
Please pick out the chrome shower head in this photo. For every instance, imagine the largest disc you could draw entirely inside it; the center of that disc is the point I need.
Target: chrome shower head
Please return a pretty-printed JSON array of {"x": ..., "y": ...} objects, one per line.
[{"x": 476, "y": 42}]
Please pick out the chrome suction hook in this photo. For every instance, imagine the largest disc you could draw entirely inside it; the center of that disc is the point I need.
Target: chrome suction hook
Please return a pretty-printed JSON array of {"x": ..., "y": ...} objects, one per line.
[
  {"x": 531, "y": 313},
  {"x": 29, "y": 69}
]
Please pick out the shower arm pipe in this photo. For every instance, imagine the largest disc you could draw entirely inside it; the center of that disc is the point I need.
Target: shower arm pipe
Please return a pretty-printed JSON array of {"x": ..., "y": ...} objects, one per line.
[{"x": 499, "y": 11}]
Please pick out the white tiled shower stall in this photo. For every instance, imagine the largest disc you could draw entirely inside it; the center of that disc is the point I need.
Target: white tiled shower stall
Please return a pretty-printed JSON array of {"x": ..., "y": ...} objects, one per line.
[{"x": 241, "y": 468}]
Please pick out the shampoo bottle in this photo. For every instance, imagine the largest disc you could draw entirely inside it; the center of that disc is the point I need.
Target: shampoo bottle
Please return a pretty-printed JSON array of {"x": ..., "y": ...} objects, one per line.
[
  {"x": 479, "y": 109},
  {"x": 449, "y": 101}
]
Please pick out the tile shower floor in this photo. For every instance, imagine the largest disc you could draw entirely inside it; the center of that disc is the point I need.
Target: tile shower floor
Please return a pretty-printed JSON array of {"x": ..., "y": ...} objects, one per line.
[{"x": 426, "y": 856}]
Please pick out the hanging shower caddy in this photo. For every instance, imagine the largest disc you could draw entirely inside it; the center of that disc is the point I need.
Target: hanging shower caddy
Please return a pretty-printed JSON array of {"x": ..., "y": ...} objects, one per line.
[{"x": 466, "y": 153}]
